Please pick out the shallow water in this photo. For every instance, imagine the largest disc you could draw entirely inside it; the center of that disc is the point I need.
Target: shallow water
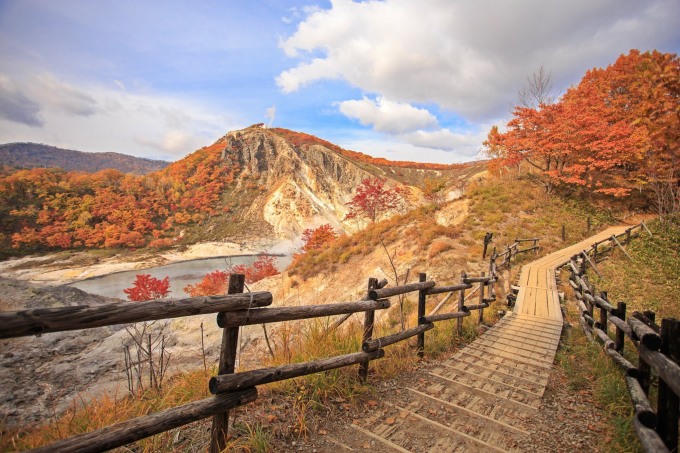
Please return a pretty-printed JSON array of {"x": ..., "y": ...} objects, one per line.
[{"x": 181, "y": 274}]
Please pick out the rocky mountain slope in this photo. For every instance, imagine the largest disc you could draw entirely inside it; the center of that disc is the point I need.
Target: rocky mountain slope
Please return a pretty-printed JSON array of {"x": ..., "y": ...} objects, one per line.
[
  {"x": 290, "y": 181},
  {"x": 31, "y": 155},
  {"x": 250, "y": 185}
]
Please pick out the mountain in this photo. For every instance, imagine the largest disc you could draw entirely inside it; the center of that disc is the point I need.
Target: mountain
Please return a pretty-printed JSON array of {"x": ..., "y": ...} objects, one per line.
[
  {"x": 32, "y": 155},
  {"x": 288, "y": 181},
  {"x": 251, "y": 184}
]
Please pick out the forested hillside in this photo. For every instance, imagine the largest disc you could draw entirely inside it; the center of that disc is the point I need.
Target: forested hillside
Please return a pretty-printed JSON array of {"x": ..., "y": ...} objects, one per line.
[
  {"x": 253, "y": 183},
  {"x": 615, "y": 134},
  {"x": 32, "y": 155}
]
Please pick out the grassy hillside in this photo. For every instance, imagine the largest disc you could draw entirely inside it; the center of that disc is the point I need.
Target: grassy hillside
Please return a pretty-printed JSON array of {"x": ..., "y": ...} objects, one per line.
[
  {"x": 441, "y": 240},
  {"x": 651, "y": 281},
  {"x": 436, "y": 237}
]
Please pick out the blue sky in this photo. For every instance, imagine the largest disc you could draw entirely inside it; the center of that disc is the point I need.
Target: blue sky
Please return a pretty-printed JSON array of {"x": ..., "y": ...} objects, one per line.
[{"x": 399, "y": 79}]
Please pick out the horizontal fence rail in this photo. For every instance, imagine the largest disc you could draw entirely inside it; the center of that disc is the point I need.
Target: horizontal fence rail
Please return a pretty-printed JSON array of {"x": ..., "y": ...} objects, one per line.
[
  {"x": 139, "y": 428},
  {"x": 237, "y": 309},
  {"x": 234, "y": 311},
  {"x": 42, "y": 320},
  {"x": 657, "y": 347}
]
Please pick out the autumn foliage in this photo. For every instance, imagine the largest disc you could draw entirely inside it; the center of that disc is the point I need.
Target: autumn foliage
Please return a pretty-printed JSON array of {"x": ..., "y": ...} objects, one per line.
[
  {"x": 145, "y": 287},
  {"x": 212, "y": 284},
  {"x": 316, "y": 238},
  {"x": 52, "y": 208},
  {"x": 216, "y": 282},
  {"x": 302, "y": 139},
  {"x": 373, "y": 199},
  {"x": 615, "y": 132},
  {"x": 264, "y": 266}
]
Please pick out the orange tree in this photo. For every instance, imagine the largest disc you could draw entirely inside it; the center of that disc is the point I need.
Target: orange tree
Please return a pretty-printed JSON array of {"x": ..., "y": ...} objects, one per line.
[
  {"x": 614, "y": 132},
  {"x": 316, "y": 238}
]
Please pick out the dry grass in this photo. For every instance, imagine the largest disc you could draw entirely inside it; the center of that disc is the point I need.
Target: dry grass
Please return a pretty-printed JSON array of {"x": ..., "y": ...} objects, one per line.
[{"x": 109, "y": 409}]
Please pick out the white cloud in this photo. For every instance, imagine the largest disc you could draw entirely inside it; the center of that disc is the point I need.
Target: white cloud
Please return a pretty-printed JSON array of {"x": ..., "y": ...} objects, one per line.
[
  {"x": 173, "y": 142},
  {"x": 58, "y": 96},
  {"x": 387, "y": 116},
  {"x": 468, "y": 57},
  {"x": 102, "y": 118},
  {"x": 15, "y": 106}
]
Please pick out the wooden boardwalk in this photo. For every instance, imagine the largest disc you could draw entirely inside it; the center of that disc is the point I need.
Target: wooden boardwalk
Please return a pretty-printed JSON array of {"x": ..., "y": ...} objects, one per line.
[{"x": 486, "y": 396}]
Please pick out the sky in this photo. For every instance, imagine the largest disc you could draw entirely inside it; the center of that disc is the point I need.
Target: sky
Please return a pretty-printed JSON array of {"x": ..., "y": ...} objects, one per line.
[{"x": 401, "y": 79}]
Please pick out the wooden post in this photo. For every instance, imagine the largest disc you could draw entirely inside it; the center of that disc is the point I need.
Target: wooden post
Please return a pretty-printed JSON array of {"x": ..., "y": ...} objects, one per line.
[
  {"x": 620, "y": 334},
  {"x": 422, "y": 297},
  {"x": 492, "y": 274},
  {"x": 564, "y": 233},
  {"x": 220, "y": 422},
  {"x": 628, "y": 235},
  {"x": 461, "y": 304},
  {"x": 595, "y": 252},
  {"x": 583, "y": 267},
  {"x": 644, "y": 370},
  {"x": 587, "y": 258},
  {"x": 487, "y": 240},
  {"x": 668, "y": 403},
  {"x": 603, "y": 313},
  {"x": 481, "y": 301},
  {"x": 369, "y": 320}
]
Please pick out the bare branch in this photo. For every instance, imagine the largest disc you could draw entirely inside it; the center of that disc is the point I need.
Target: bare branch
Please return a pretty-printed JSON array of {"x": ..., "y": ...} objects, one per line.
[{"x": 539, "y": 89}]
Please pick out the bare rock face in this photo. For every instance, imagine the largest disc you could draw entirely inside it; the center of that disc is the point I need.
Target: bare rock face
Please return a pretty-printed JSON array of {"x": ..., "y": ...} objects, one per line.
[
  {"x": 37, "y": 372},
  {"x": 43, "y": 376},
  {"x": 305, "y": 185}
]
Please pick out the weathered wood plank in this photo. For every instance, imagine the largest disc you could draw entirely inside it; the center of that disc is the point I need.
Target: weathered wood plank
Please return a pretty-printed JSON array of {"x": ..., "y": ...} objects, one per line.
[
  {"x": 447, "y": 289},
  {"x": 396, "y": 290},
  {"x": 646, "y": 334},
  {"x": 668, "y": 370},
  {"x": 379, "y": 343},
  {"x": 280, "y": 314},
  {"x": 138, "y": 428},
  {"x": 230, "y": 382},
  {"x": 43, "y": 320}
]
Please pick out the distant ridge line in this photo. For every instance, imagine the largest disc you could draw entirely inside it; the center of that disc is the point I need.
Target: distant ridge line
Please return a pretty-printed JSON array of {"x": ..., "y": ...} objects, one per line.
[{"x": 36, "y": 155}]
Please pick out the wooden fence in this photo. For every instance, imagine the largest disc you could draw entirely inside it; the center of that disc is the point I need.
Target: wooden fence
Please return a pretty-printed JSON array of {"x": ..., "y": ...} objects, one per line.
[
  {"x": 513, "y": 250},
  {"x": 235, "y": 310},
  {"x": 657, "y": 348}
]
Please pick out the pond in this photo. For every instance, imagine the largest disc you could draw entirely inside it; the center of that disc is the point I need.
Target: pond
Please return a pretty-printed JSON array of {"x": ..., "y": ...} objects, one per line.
[{"x": 181, "y": 274}]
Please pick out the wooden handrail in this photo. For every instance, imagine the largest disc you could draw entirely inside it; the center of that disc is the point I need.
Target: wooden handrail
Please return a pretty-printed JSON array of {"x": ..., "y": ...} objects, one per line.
[
  {"x": 234, "y": 311},
  {"x": 230, "y": 382},
  {"x": 281, "y": 314},
  {"x": 383, "y": 293},
  {"x": 138, "y": 428},
  {"x": 42, "y": 320},
  {"x": 657, "y": 350}
]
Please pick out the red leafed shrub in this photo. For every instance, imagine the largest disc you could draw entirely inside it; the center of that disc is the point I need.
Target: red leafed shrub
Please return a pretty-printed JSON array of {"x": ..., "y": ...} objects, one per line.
[
  {"x": 146, "y": 287},
  {"x": 160, "y": 243},
  {"x": 264, "y": 266},
  {"x": 372, "y": 199},
  {"x": 213, "y": 283},
  {"x": 316, "y": 238}
]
